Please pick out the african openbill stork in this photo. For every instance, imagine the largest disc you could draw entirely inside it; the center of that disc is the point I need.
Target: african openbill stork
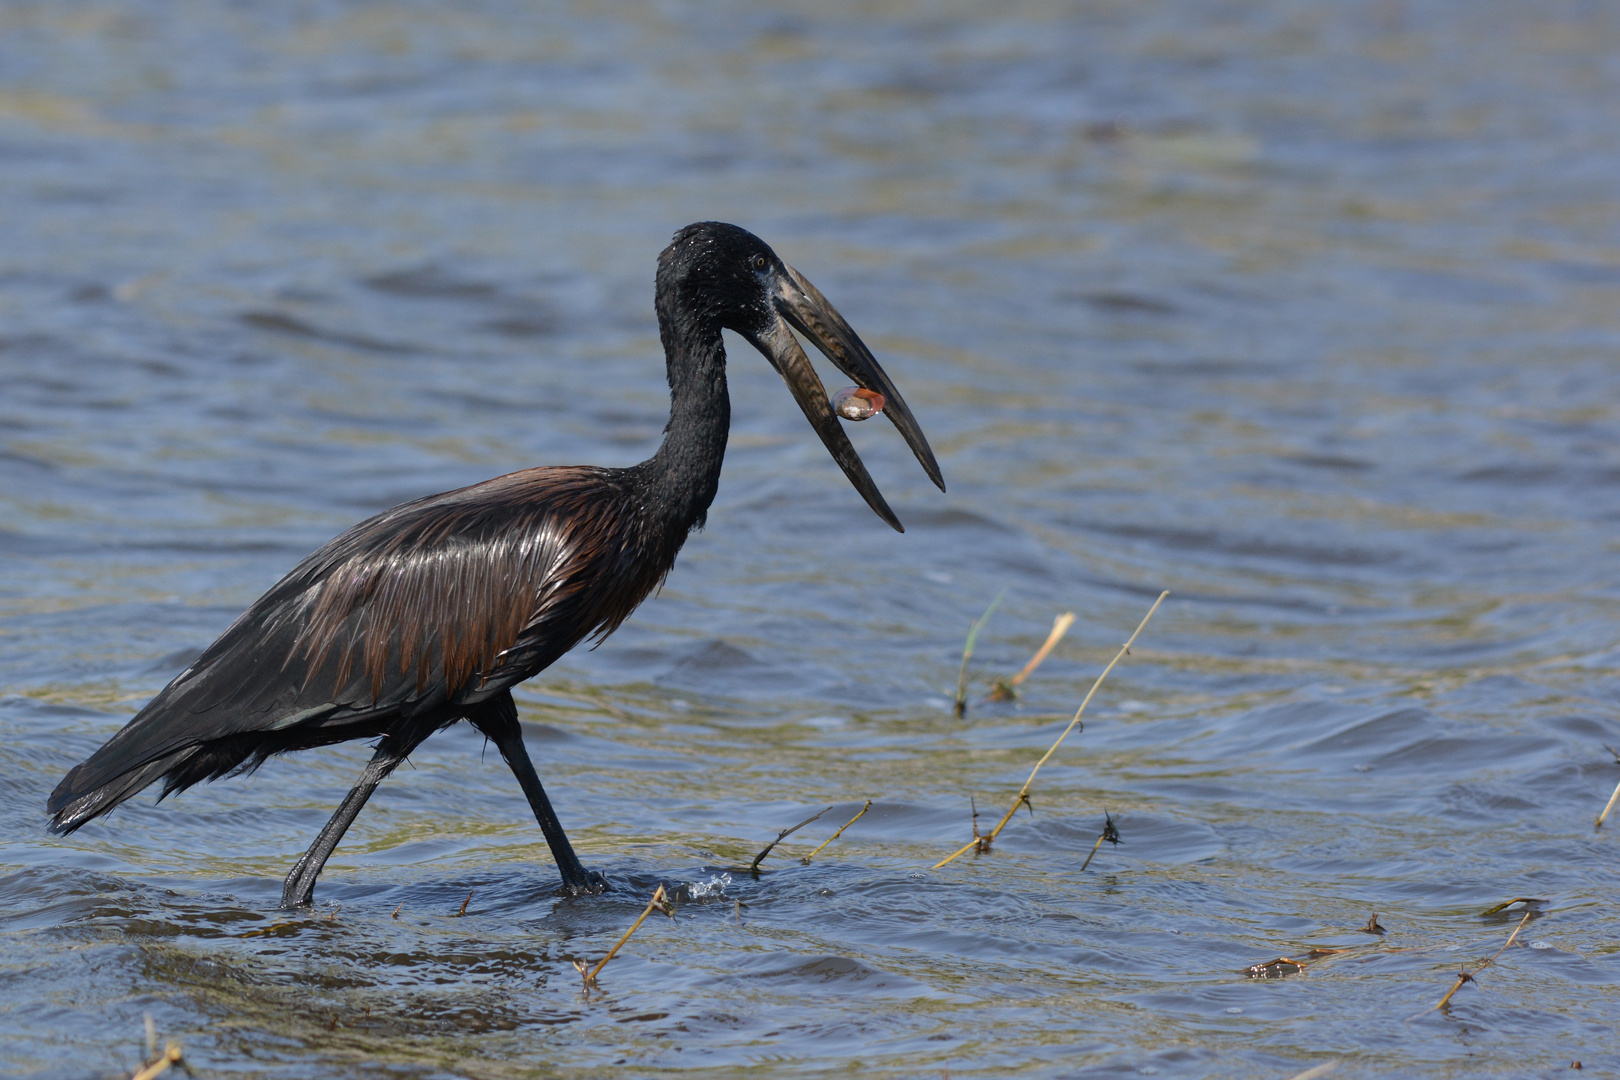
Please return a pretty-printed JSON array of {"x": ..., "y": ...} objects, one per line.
[{"x": 431, "y": 612}]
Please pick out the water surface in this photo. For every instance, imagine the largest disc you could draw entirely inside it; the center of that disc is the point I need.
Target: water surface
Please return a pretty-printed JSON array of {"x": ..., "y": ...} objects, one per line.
[{"x": 1307, "y": 313}]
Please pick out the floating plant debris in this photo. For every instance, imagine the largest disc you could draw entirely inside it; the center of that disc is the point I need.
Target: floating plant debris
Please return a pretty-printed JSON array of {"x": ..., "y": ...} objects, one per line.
[
  {"x": 1284, "y": 966},
  {"x": 855, "y": 403},
  {"x": 1527, "y": 901},
  {"x": 1275, "y": 969}
]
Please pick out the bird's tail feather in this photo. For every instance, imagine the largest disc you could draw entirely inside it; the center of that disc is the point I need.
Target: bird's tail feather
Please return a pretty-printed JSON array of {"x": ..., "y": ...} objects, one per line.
[{"x": 70, "y": 807}]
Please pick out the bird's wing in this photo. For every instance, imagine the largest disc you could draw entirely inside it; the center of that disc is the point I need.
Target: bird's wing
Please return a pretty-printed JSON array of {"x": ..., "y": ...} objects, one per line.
[{"x": 444, "y": 599}]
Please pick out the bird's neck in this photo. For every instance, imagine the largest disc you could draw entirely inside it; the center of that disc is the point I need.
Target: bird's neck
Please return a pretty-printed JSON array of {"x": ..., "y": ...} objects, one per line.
[{"x": 683, "y": 476}]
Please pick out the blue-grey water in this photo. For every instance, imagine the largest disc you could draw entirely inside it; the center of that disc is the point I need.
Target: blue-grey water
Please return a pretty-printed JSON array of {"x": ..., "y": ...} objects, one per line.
[{"x": 1307, "y": 312}]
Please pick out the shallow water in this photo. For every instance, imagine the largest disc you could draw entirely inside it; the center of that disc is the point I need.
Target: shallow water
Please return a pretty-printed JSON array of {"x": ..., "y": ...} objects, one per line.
[{"x": 1307, "y": 313}]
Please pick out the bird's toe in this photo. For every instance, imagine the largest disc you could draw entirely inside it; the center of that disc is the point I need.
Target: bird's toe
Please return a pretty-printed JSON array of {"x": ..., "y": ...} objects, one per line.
[{"x": 586, "y": 883}]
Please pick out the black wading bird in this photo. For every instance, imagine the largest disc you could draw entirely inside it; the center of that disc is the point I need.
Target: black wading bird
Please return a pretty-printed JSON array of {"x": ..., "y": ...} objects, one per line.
[{"x": 431, "y": 612}]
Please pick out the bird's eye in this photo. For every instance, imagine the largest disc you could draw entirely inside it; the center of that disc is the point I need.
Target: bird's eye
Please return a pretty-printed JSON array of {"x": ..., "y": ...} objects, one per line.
[{"x": 759, "y": 262}]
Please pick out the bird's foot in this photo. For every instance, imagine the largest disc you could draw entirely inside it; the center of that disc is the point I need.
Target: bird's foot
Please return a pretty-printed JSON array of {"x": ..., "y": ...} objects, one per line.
[
  {"x": 585, "y": 883},
  {"x": 292, "y": 900},
  {"x": 298, "y": 891}
]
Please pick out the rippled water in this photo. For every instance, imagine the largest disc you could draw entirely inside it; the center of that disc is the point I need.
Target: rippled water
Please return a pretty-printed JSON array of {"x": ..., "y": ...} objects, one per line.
[{"x": 1305, "y": 312}]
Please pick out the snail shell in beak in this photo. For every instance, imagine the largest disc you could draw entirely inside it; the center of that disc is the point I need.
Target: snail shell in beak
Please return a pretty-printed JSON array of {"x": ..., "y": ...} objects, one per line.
[{"x": 854, "y": 403}]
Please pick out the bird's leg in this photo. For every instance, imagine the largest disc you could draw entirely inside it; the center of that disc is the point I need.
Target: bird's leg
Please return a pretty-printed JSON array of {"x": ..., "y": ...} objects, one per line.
[
  {"x": 299, "y": 891},
  {"x": 497, "y": 719}
]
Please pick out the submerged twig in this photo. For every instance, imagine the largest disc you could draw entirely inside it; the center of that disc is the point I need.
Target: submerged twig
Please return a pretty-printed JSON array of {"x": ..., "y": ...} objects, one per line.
[
  {"x": 657, "y": 901},
  {"x": 753, "y": 867},
  {"x": 1468, "y": 976},
  {"x": 1317, "y": 1071},
  {"x": 1109, "y": 833},
  {"x": 834, "y": 836},
  {"x": 967, "y": 651},
  {"x": 1023, "y": 793},
  {"x": 1007, "y": 689}
]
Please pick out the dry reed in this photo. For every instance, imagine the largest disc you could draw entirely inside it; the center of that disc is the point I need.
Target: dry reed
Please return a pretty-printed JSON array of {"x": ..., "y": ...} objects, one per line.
[
  {"x": 171, "y": 1056},
  {"x": 1468, "y": 976},
  {"x": 1318, "y": 1071},
  {"x": 1007, "y": 689},
  {"x": 156, "y": 1064},
  {"x": 657, "y": 901},
  {"x": 1023, "y": 793},
  {"x": 1598, "y": 824},
  {"x": 1612, "y": 800},
  {"x": 806, "y": 860}
]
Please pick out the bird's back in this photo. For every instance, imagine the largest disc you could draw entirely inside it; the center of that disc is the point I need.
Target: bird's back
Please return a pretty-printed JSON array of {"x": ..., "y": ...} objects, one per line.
[{"x": 434, "y": 604}]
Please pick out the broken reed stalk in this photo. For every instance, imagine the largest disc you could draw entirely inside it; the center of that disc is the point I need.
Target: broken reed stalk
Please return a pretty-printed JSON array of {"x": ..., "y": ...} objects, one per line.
[
  {"x": 1612, "y": 800},
  {"x": 1023, "y": 792},
  {"x": 657, "y": 901},
  {"x": 171, "y": 1056},
  {"x": 1468, "y": 976},
  {"x": 1598, "y": 824},
  {"x": 1006, "y": 689},
  {"x": 1319, "y": 1071},
  {"x": 967, "y": 651},
  {"x": 753, "y": 867},
  {"x": 836, "y": 835},
  {"x": 464, "y": 904}
]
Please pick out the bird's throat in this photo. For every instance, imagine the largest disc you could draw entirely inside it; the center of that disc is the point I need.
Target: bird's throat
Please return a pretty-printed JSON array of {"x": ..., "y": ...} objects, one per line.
[{"x": 684, "y": 474}]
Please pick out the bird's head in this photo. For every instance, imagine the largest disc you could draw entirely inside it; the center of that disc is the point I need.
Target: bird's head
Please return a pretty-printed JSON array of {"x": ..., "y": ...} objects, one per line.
[{"x": 718, "y": 275}]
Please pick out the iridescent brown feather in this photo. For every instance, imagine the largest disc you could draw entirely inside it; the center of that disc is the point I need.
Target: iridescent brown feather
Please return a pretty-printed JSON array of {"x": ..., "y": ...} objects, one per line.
[{"x": 453, "y": 590}]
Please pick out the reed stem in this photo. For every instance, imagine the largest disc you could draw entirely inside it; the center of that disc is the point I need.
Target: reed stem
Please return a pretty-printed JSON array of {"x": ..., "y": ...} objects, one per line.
[
  {"x": 1023, "y": 793},
  {"x": 590, "y": 976},
  {"x": 837, "y": 834}
]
